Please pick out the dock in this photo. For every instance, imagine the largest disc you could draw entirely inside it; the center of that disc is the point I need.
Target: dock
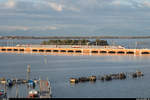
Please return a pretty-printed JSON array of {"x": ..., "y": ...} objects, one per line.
[{"x": 45, "y": 89}]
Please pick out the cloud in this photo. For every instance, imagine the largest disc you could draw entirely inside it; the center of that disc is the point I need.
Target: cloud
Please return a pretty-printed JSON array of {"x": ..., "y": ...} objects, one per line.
[
  {"x": 10, "y": 4},
  {"x": 55, "y": 6},
  {"x": 123, "y": 3},
  {"x": 44, "y": 28},
  {"x": 146, "y": 3},
  {"x": 116, "y": 2},
  {"x": 14, "y": 28},
  {"x": 27, "y": 28},
  {"x": 74, "y": 16}
]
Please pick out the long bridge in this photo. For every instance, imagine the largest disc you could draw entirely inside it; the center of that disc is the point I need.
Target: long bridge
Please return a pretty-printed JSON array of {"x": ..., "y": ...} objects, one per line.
[{"x": 73, "y": 49}]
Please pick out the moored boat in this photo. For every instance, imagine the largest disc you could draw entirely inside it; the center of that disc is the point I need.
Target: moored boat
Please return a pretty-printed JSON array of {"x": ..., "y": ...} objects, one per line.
[
  {"x": 31, "y": 83},
  {"x": 33, "y": 94},
  {"x": 9, "y": 82},
  {"x": 74, "y": 80},
  {"x": 92, "y": 78},
  {"x": 2, "y": 94}
]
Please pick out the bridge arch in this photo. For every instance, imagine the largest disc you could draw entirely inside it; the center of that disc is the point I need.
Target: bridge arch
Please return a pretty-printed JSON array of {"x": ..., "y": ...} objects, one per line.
[
  {"x": 55, "y": 50},
  {"x": 103, "y": 51},
  {"x": 21, "y": 49},
  {"x": 129, "y": 52},
  {"x": 3, "y": 49},
  {"x": 48, "y": 50},
  {"x": 34, "y": 50},
  {"x": 94, "y": 52},
  {"x": 121, "y": 52},
  {"x": 15, "y": 49},
  {"x": 70, "y": 51},
  {"x": 78, "y": 51},
  {"x": 145, "y": 52},
  {"x": 62, "y": 50},
  {"x": 9, "y": 49},
  {"x": 112, "y": 52},
  {"x": 41, "y": 50}
]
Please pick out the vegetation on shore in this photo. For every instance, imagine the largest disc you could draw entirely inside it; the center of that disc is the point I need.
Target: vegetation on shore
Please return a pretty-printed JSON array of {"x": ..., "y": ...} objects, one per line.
[{"x": 75, "y": 42}]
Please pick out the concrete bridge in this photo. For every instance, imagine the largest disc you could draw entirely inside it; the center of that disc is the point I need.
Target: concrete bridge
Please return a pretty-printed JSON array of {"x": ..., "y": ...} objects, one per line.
[{"x": 81, "y": 50}]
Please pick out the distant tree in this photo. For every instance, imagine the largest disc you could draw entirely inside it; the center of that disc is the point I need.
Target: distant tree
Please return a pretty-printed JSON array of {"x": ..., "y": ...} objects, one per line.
[{"x": 74, "y": 42}]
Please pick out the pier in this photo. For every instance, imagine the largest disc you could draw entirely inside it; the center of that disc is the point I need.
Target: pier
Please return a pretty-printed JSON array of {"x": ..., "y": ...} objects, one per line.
[{"x": 73, "y": 49}]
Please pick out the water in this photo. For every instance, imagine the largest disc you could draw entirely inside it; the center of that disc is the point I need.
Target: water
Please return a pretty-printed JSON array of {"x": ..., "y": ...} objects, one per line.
[{"x": 59, "y": 69}]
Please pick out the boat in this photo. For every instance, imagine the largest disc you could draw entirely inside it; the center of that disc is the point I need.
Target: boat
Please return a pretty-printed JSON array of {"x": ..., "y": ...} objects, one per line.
[
  {"x": 2, "y": 80},
  {"x": 36, "y": 81},
  {"x": 2, "y": 94},
  {"x": 31, "y": 83},
  {"x": 19, "y": 81},
  {"x": 9, "y": 83},
  {"x": 92, "y": 78},
  {"x": 74, "y": 80},
  {"x": 33, "y": 94}
]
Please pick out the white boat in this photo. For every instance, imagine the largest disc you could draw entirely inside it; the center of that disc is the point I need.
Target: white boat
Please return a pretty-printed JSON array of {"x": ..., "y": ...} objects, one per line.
[{"x": 33, "y": 94}]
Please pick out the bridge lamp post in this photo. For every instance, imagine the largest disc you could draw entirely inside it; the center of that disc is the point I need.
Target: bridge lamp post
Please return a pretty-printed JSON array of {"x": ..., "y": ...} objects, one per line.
[{"x": 88, "y": 43}]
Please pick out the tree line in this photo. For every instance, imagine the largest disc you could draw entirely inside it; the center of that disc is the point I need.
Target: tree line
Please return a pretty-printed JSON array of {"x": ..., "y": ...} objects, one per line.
[{"x": 75, "y": 42}]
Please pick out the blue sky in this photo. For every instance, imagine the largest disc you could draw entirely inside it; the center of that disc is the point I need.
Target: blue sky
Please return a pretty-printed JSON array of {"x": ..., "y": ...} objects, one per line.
[{"x": 74, "y": 17}]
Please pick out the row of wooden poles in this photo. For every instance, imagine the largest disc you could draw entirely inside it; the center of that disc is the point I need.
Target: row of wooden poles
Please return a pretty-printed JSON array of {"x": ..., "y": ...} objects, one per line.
[{"x": 107, "y": 77}]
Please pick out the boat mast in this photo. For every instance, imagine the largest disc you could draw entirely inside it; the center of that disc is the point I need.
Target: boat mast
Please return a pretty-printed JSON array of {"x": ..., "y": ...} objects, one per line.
[{"x": 28, "y": 72}]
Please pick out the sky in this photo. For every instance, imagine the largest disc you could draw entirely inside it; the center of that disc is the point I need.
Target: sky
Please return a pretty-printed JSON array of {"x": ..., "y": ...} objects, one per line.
[{"x": 75, "y": 17}]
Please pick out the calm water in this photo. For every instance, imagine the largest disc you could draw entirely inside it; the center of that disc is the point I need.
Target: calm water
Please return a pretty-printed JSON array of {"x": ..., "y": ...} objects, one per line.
[{"x": 59, "y": 69}]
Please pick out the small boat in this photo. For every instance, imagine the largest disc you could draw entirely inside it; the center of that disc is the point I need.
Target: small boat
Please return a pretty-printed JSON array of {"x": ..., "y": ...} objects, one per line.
[
  {"x": 36, "y": 81},
  {"x": 9, "y": 83},
  {"x": 2, "y": 94},
  {"x": 107, "y": 77},
  {"x": 134, "y": 75},
  {"x": 31, "y": 83},
  {"x": 20, "y": 81},
  {"x": 33, "y": 94},
  {"x": 139, "y": 73},
  {"x": 92, "y": 78},
  {"x": 2, "y": 80},
  {"x": 83, "y": 79},
  {"x": 122, "y": 76},
  {"x": 74, "y": 80},
  {"x": 24, "y": 81}
]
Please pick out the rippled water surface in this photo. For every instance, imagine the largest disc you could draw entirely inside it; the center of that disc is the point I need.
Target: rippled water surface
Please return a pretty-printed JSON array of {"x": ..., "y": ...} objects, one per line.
[{"x": 58, "y": 69}]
